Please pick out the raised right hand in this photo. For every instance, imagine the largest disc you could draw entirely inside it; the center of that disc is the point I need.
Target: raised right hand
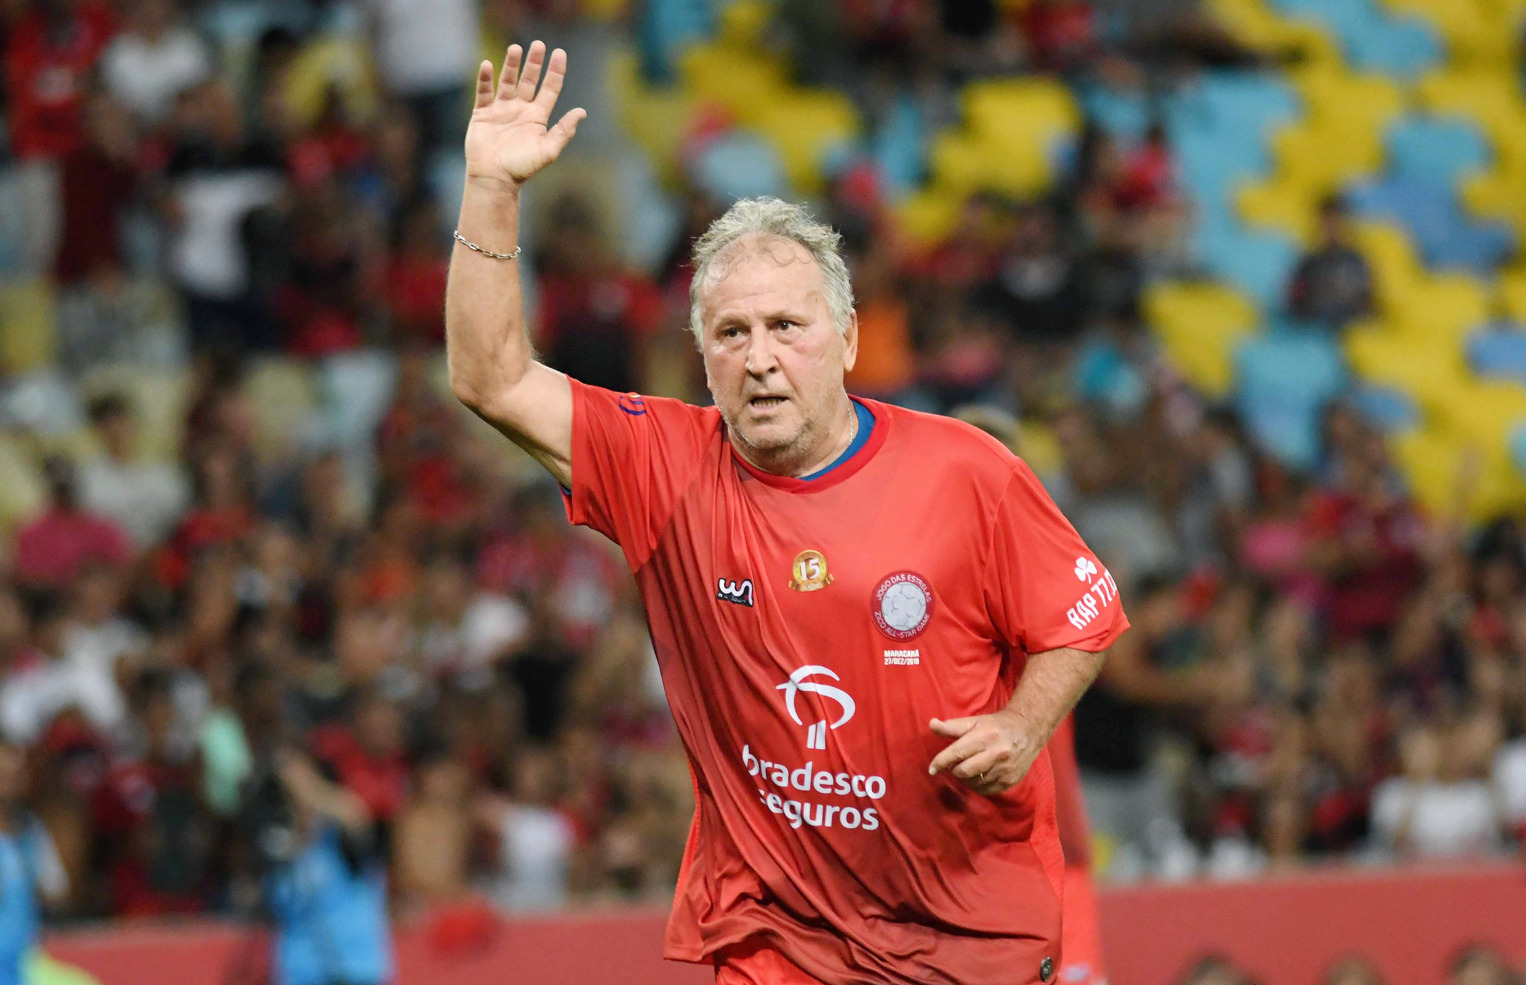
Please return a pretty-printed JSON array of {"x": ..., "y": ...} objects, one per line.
[{"x": 508, "y": 138}]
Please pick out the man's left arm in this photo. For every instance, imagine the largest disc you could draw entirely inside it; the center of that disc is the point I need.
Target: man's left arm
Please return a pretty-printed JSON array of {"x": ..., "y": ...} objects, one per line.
[{"x": 992, "y": 753}]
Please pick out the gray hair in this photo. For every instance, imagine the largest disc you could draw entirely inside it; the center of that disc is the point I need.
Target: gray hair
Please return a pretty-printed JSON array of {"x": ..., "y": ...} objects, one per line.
[{"x": 772, "y": 217}]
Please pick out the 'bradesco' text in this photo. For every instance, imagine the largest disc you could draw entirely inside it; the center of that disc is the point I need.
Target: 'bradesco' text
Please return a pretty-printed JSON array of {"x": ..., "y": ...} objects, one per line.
[{"x": 807, "y": 779}]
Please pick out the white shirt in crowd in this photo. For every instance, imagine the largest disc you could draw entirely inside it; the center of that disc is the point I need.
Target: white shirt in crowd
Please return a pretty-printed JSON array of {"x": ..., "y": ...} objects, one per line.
[
  {"x": 535, "y": 849},
  {"x": 1510, "y": 781},
  {"x": 145, "y": 499},
  {"x": 1446, "y": 820},
  {"x": 424, "y": 46},
  {"x": 147, "y": 76},
  {"x": 491, "y": 626},
  {"x": 207, "y": 253}
]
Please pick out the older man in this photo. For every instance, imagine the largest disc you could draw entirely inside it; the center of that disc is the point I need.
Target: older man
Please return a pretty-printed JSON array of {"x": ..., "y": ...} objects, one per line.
[{"x": 869, "y": 620}]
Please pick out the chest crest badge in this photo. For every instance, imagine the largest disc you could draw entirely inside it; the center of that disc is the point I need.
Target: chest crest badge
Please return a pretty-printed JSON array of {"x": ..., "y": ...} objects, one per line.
[{"x": 809, "y": 572}]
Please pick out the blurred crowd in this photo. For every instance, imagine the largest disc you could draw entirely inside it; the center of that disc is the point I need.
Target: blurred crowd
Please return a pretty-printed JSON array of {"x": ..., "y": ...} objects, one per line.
[
  {"x": 1472, "y": 964},
  {"x": 1317, "y": 670}
]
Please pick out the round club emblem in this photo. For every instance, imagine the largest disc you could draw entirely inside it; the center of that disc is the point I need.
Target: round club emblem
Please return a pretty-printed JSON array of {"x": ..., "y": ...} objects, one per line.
[{"x": 902, "y": 605}]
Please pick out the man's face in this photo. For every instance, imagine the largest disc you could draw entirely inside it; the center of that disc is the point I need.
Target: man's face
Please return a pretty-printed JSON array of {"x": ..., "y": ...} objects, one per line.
[{"x": 774, "y": 362}]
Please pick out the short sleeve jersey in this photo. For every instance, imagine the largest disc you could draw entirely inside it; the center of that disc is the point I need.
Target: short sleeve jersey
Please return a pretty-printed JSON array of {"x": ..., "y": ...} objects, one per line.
[{"x": 807, "y": 631}]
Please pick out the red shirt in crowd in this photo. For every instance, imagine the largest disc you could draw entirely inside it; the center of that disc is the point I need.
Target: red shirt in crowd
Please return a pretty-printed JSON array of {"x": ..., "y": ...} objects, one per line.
[
  {"x": 46, "y": 75},
  {"x": 53, "y": 548},
  {"x": 807, "y": 632},
  {"x": 1371, "y": 594}
]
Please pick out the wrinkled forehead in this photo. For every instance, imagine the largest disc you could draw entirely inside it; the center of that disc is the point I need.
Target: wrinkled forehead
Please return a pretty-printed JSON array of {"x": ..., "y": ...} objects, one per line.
[{"x": 760, "y": 262}]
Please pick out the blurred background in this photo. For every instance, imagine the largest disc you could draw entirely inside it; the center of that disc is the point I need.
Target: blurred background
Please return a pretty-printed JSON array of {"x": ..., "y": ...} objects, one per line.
[{"x": 1240, "y": 279}]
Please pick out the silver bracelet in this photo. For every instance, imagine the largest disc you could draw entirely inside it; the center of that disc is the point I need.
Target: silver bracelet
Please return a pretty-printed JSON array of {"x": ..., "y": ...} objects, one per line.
[{"x": 487, "y": 253}]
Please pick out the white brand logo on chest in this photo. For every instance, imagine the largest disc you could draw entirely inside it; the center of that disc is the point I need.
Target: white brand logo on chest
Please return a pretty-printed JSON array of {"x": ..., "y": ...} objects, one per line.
[{"x": 738, "y": 593}]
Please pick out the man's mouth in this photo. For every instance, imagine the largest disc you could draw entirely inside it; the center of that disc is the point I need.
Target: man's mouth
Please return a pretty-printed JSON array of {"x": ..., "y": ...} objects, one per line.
[{"x": 765, "y": 402}]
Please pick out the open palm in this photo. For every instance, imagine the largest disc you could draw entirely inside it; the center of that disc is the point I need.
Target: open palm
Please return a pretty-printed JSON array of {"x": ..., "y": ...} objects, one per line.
[{"x": 509, "y": 137}]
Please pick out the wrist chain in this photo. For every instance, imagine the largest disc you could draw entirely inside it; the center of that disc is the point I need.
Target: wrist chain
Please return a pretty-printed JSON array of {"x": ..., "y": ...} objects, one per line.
[{"x": 487, "y": 253}]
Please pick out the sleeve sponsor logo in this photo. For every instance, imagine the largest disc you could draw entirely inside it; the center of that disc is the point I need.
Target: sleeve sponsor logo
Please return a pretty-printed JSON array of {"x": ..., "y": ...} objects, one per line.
[
  {"x": 1100, "y": 592},
  {"x": 632, "y": 404}
]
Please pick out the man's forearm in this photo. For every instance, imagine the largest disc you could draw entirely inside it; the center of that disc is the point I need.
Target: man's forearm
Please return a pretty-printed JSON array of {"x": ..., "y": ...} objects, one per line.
[
  {"x": 1052, "y": 683},
  {"x": 487, "y": 347}
]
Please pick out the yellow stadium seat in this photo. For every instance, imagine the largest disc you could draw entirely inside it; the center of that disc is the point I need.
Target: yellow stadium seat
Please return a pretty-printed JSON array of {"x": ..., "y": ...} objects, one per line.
[
  {"x": 1434, "y": 460},
  {"x": 964, "y": 163},
  {"x": 1020, "y": 111},
  {"x": 657, "y": 119},
  {"x": 1471, "y": 29},
  {"x": 1395, "y": 267},
  {"x": 28, "y": 325},
  {"x": 742, "y": 22},
  {"x": 1379, "y": 352},
  {"x": 1442, "y": 309},
  {"x": 1485, "y": 411},
  {"x": 747, "y": 83},
  {"x": 1199, "y": 325},
  {"x": 928, "y": 216},
  {"x": 1335, "y": 96},
  {"x": 283, "y": 397},
  {"x": 1257, "y": 26},
  {"x": 804, "y": 127},
  {"x": 1285, "y": 208},
  {"x": 1512, "y": 285},
  {"x": 1321, "y": 158},
  {"x": 22, "y": 492},
  {"x": 328, "y": 63}
]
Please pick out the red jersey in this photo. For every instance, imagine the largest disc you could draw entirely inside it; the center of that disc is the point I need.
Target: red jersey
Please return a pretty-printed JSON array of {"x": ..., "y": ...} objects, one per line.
[{"x": 807, "y": 632}]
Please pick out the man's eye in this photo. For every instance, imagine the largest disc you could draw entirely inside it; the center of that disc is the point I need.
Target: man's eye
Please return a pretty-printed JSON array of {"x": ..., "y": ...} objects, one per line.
[{"x": 785, "y": 323}]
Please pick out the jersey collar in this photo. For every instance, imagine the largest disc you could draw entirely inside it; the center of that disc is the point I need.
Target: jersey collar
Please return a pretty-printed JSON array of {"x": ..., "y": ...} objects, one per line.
[{"x": 841, "y": 473}]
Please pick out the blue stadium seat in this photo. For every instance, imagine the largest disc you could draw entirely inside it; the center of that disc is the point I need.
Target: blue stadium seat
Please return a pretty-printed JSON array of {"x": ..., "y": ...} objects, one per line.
[
  {"x": 1124, "y": 114},
  {"x": 740, "y": 165},
  {"x": 1282, "y": 382},
  {"x": 1445, "y": 235},
  {"x": 1499, "y": 352},
  {"x": 1257, "y": 262},
  {"x": 1436, "y": 150},
  {"x": 1387, "y": 408},
  {"x": 1403, "y": 46},
  {"x": 1373, "y": 40}
]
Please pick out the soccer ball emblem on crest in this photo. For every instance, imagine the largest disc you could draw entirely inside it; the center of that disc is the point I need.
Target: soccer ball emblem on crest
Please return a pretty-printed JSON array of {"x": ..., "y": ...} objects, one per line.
[{"x": 902, "y": 605}]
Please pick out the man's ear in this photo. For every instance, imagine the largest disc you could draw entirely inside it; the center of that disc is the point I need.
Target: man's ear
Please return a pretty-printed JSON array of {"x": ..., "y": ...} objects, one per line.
[{"x": 850, "y": 344}]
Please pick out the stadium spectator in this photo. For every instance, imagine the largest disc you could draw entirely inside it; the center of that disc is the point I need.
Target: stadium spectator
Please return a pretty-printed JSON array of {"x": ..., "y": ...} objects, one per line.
[
  {"x": 33, "y": 877},
  {"x": 155, "y": 58},
  {"x": 1353, "y": 971},
  {"x": 144, "y": 498},
  {"x": 1435, "y": 809},
  {"x": 1332, "y": 284},
  {"x": 594, "y": 315},
  {"x": 424, "y": 56},
  {"x": 1479, "y": 964},
  {"x": 55, "y": 547}
]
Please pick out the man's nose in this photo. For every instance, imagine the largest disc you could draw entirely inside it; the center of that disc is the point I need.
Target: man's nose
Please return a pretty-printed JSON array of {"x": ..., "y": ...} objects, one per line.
[{"x": 760, "y": 352}]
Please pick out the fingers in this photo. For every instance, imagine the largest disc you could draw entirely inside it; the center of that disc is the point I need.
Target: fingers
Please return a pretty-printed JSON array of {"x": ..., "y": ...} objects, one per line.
[
  {"x": 981, "y": 762},
  {"x": 953, "y": 728},
  {"x": 509, "y": 80},
  {"x": 957, "y": 752},
  {"x": 528, "y": 78},
  {"x": 484, "y": 84},
  {"x": 556, "y": 71},
  {"x": 565, "y": 128}
]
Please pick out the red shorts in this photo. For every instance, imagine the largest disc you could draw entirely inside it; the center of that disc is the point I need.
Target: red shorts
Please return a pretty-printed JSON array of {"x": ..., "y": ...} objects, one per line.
[
  {"x": 755, "y": 962},
  {"x": 1081, "y": 933}
]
